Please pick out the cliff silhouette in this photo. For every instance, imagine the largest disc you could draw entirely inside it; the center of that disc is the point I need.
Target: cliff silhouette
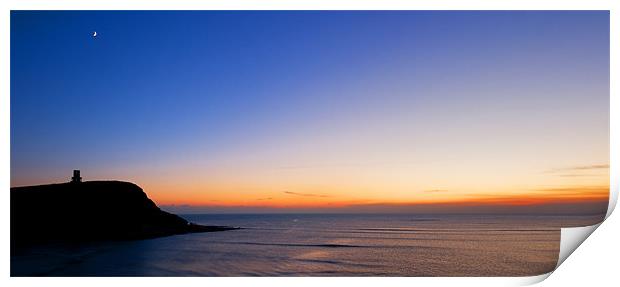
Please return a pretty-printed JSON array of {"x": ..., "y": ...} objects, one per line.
[{"x": 90, "y": 211}]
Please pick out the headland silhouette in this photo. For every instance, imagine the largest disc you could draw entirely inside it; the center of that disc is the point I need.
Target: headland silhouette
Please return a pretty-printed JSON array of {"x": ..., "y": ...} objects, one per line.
[{"x": 77, "y": 211}]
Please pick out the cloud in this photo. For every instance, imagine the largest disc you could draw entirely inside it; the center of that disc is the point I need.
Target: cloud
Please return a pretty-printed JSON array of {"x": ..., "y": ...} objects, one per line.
[
  {"x": 575, "y": 190},
  {"x": 575, "y": 175},
  {"x": 266, "y": 198},
  {"x": 578, "y": 171},
  {"x": 435, "y": 190},
  {"x": 579, "y": 168},
  {"x": 305, "y": 194}
]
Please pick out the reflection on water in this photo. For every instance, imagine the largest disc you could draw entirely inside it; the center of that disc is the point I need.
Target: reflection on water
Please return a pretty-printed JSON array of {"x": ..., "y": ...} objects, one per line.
[{"x": 323, "y": 245}]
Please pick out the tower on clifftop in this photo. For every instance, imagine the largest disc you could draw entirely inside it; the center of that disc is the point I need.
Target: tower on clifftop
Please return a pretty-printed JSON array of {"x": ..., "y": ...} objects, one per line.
[{"x": 76, "y": 176}]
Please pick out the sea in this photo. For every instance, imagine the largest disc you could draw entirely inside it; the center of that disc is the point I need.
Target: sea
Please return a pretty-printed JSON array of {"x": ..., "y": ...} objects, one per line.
[{"x": 323, "y": 245}]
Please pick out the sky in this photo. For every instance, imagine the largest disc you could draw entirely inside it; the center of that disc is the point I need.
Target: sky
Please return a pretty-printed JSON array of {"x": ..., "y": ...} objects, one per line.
[{"x": 326, "y": 111}]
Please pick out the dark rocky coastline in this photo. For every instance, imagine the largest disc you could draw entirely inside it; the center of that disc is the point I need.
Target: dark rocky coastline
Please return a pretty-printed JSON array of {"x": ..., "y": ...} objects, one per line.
[{"x": 79, "y": 212}]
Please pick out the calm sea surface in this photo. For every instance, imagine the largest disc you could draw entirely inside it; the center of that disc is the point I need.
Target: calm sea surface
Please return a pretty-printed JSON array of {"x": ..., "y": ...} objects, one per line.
[{"x": 323, "y": 245}]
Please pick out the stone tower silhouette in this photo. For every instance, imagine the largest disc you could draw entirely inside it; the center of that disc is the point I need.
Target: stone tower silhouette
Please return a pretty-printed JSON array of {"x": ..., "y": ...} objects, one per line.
[{"x": 76, "y": 176}]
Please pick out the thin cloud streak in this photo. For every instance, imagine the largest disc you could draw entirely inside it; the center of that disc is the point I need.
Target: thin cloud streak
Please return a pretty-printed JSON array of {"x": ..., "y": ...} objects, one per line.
[
  {"x": 305, "y": 194},
  {"x": 579, "y": 168},
  {"x": 575, "y": 190},
  {"x": 577, "y": 175}
]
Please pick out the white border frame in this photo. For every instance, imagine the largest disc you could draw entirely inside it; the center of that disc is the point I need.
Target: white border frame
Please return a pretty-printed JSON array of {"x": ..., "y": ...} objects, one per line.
[{"x": 290, "y": 5}]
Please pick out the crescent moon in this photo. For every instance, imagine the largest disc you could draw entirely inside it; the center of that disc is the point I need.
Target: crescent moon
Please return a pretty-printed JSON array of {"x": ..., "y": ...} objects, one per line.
[{"x": 95, "y": 34}]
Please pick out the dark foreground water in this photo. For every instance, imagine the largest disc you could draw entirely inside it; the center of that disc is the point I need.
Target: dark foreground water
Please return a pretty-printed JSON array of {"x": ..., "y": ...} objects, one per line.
[{"x": 323, "y": 245}]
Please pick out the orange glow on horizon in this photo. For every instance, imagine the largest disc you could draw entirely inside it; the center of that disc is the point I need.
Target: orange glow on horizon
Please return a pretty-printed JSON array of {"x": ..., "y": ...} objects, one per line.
[
  {"x": 333, "y": 187},
  {"x": 570, "y": 195}
]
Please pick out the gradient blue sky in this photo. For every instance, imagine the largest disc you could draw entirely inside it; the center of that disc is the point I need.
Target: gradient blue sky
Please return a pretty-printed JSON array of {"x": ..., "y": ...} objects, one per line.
[{"x": 359, "y": 107}]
